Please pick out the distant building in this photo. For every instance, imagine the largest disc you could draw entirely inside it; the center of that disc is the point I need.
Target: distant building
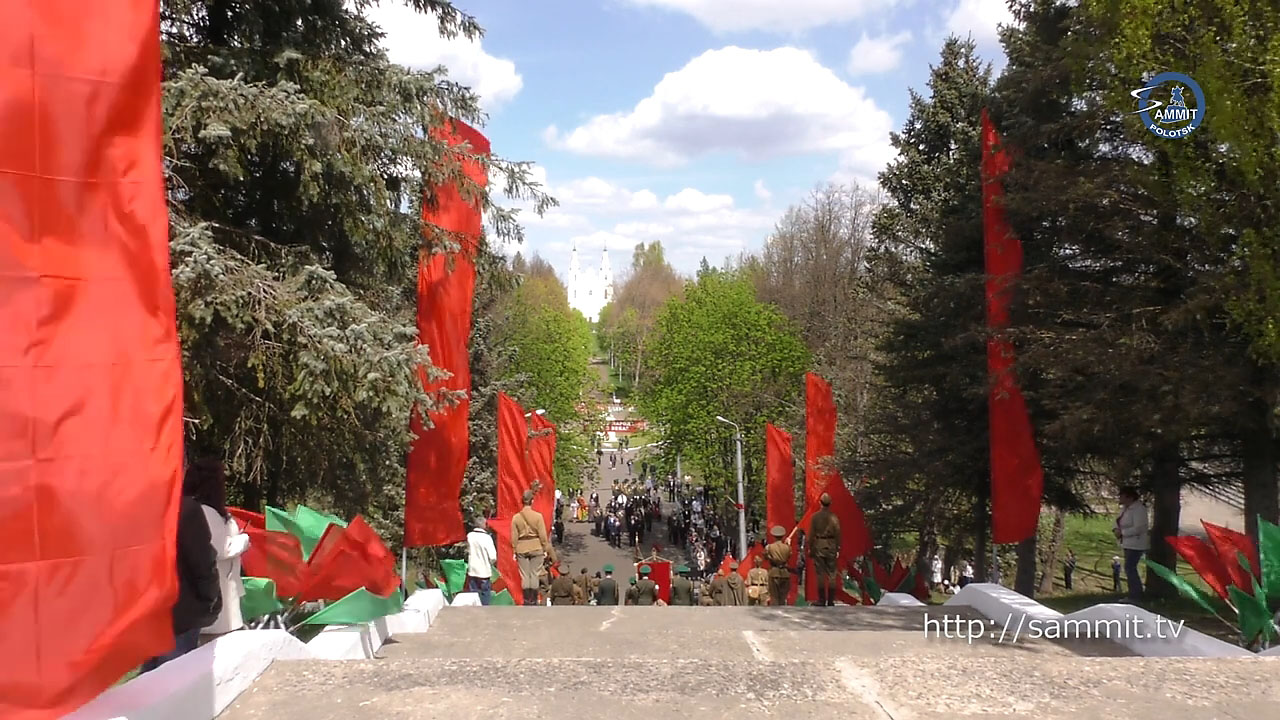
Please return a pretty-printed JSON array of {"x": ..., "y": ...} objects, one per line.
[{"x": 590, "y": 290}]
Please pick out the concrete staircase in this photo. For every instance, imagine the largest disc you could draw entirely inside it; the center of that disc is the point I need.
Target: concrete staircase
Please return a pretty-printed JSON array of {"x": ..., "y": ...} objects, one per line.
[{"x": 708, "y": 663}]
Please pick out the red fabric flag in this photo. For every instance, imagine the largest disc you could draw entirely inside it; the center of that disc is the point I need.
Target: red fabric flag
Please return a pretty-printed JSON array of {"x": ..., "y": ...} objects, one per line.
[
  {"x": 820, "y": 437},
  {"x": 446, "y": 286},
  {"x": 542, "y": 460},
  {"x": 273, "y": 555},
  {"x": 1017, "y": 479},
  {"x": 780, "y": 492},
  {"x": 724, "y": 565},
  {"x": 90, "y": 374},
  {"x": 1204, "y": 560},
  {"x": 347, "y": 559},
  {"x": 855, "y": 538},
  {"x": 1229, "y": 543},
  {"x": 513, "y": 480},
  {"x": 660, "y": 574},
  {"x": 748, "y": 562}
]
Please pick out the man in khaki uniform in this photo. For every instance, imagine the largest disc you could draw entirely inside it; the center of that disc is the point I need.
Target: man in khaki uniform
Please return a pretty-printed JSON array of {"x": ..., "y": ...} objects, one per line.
[
  {"x": 531, "y": 547},
  {"x": 719, "y": 591},
  {"x": 758, "y": 584},
  {"x": 735, "y": 587},
  {"x": 633, "y": 595},
  {"x": 824, "y": 548},
  {"x": 646, "y": 589},
  {"x": 681, "y": 588},
  {"x": 705, "y": 598},
  {"x": 564, "y": 591},
  {"x": 778, "y": 553},
  {"x": 584, "y": 585}
]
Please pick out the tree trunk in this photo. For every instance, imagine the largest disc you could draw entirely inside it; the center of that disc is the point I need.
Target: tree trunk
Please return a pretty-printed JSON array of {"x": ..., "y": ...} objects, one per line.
[
  {"x": 981, "y": 552},
  {"x": 1055, "y": 546},
  {"x": 1024, "y": 579},
  {"x": 1261, "y": 491},
  {"x": 1166, "y": 514}
]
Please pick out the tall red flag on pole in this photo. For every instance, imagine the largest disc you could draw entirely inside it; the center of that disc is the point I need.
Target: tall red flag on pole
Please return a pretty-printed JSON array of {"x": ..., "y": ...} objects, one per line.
[
  {"x": 1017, "y": 479},
  {"x": 819, "y": 437},
  {"x": 446, "y": 286},
  {"x": 90, "y": 373},
  {"x": 780, "y": 483},
  {"x": 513, "y": 480},
  {"x": 542, "y": 460}
]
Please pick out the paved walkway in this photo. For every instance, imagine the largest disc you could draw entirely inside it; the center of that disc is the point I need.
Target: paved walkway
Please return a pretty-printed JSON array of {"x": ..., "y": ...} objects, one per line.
[{"x": 651, "y": 663}]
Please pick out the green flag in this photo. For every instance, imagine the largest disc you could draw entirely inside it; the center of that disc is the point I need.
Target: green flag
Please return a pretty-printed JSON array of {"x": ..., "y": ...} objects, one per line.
[
  {"x": 455, "y": 574},
  {"x": 259, "y": 598},
  {"x": 1254, "y": 618},
  {"x": 908, "y": 583},
  {"x": 1187, "y": 589},
  {"x": 869, "y": 582},
  {"x": 357, "y": 607},
  {"x": 444, "y": 588},
  {"x": 303, "y": 523},
  {"x": 502, "y": 598},
  {"x": 1269, "y": 556}
]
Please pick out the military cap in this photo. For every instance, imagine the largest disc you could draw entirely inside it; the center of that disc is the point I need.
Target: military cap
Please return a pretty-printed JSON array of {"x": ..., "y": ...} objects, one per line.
[
  {"x": 608, "y": 568},
  {"x": 645, "y": 569},
  {"x": 825, "y": 499},
  {"x": 528, "y": 497},
  {"x": 682, "y": 569},
  {"x": 584, "y": 571},
  {"x": 633, "y": 580},
  {"x": 733, "y": 564},
  {"x": 778, "y": 531}
]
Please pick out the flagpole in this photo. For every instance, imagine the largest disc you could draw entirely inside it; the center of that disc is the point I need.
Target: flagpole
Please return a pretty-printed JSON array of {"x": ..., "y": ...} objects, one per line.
[{"x": 404, "y": 567}]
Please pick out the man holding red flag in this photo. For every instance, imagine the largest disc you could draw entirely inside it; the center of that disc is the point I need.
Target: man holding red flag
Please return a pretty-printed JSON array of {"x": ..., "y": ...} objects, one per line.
[{"x": 824, "y": 549}]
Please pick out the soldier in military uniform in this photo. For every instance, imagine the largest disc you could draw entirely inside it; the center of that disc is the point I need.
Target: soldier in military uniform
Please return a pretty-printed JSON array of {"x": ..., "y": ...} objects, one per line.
[
  {"x": 646, "y": 589},
  {"x": 681, "y": 588},
  {"x": 718, "y": 590},
  {"x": 607, "y": 593},
  {"x": 583, "y": 582},
  {"x": 706, "y": 597},
  {"x": 531, "y": 547},
  {"x": 758, "y": 584},
  {"x": 564, "y": 591},
  {"x": 778, "y": 553},
  {"x": 633, "y": 595},
  {"x": 824, "y": 549},
  {"x": 735, "y": 587}
]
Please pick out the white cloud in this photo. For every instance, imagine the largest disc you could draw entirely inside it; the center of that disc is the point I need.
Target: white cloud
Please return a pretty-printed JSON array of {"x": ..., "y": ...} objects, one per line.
[
  {"x": 413, "y": 39},
  {"x": 877, "y": 54},
  {"x": 696, "y": 201},
  {"x": 980, "y": 18},
  {"x": 762, "y": 192},
  {"x": 785, "y": 16},
  {"x": 755, "y": 103}
]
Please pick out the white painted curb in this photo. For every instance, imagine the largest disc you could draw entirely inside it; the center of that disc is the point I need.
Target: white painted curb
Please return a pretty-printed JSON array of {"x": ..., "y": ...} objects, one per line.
[
  {"x": 204, "y": 682},
  {"x": 201, "y": 683},
  {"x": 1137, "y": 629},
  {"x": 1002, "y": 605},
  {"x": 466, "y": 599},
  {"x": 896, "y": 599},
  {"x": 1273, "y": 652}
]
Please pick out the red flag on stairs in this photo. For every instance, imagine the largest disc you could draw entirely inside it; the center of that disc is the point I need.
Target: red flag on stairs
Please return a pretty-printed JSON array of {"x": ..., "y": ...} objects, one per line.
[
  {"x": 446, "y": 285},
  {"x": 1017, "y": 478},
  {"x": 513, "y": 480},
  {"x": 90, "y": 374}
]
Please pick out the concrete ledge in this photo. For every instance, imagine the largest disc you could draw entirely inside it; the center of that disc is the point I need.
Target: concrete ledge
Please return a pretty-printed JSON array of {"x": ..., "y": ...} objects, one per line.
[
  {"x": 200, "y": 684},
  {"x": 345, "y": 642},
  {"x": 1273, "y": 652},
  {"x": 466, "y": 599},
  {"x": 1140, "y": 631},
  {"x": 428, "y": 601},
  {"x": 896, "y": 599},
  {"x": 407, "y": 622},
  {"x": 1002, "y": 605}
]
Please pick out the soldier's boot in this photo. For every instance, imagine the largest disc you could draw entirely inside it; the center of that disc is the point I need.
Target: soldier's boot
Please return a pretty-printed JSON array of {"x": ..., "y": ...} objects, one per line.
[
  {"x": 531, "y": 598},
  {"x": 822, "y": 597}
]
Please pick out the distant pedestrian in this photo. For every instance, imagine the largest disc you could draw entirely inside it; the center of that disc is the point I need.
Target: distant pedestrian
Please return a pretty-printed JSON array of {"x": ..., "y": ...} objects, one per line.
[
  {"x": 1132, "y": 530},
  {"x": 1068, "y": 568},
  {"x": 966, "y": 573},
  {"x": 481, "y": 555},
  {"x": 1115, "y": 573}
]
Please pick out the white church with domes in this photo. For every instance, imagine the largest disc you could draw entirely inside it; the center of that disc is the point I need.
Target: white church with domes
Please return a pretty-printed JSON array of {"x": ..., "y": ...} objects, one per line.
[{"x": 590, "y": 290}]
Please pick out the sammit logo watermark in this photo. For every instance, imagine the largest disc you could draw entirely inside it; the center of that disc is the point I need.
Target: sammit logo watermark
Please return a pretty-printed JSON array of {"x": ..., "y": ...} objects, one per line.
[{"x": 1166, "y": 107}]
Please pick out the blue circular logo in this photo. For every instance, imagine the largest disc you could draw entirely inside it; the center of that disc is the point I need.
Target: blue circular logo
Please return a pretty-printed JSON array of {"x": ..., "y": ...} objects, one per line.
[{"x": 1164, "y": 106}]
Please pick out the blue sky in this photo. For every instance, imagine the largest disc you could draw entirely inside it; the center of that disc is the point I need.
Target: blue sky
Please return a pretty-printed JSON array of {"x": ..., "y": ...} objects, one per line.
[{"x": 693, "y": 122}]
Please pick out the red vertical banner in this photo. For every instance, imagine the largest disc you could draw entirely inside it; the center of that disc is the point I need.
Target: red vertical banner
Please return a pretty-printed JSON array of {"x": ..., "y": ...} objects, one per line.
[
  {"x": 660, "y": 574},
  {"x": 780, "y": 490},
  {"x": 542, "y": 460},
  {"x": 513, "y": 480},
  {"x": 1017, "y": 478},
  {"x": 90, "y": 371},
  {"x": 446, "y": 286},
  {"x": 820, "y": 436}
]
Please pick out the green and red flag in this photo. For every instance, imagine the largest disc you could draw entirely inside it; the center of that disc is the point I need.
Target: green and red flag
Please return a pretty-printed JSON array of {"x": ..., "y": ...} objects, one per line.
[{"x": 90, "y": 373}]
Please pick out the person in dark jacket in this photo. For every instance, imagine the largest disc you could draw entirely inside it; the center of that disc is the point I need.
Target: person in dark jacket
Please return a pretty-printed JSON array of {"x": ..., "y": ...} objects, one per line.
[{"x": 199, "y": 593}]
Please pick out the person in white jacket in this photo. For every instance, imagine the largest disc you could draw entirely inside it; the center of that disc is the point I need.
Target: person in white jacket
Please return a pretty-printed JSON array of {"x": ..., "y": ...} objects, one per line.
[
  {"x": 1134, "y": 534},
  {"x": 229, "y": 542}
]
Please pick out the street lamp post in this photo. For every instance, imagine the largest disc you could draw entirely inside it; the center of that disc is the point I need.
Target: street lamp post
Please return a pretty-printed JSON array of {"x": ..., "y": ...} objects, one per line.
[{"x": 742, "y": 508}]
